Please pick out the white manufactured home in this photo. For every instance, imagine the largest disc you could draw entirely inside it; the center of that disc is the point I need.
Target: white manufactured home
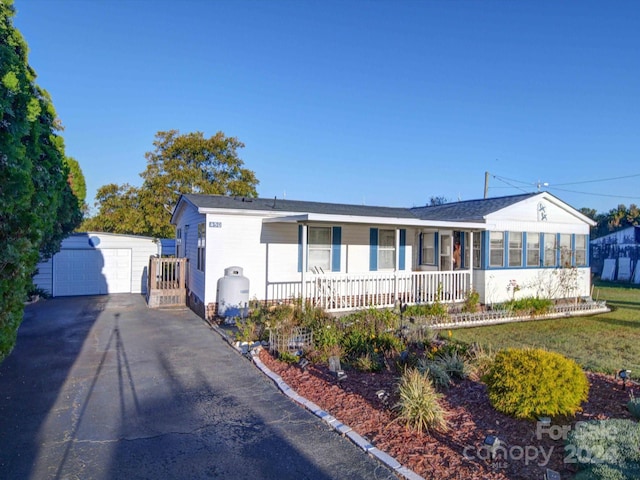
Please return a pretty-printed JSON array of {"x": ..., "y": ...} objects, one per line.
[
  {"x": 96, "y": 263},
  {"x": 343, "y": 257}
]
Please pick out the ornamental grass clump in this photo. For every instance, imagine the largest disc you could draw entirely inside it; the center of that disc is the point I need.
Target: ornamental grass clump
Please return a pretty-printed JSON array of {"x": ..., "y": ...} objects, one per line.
[
  {"x": 419, "y": 405},
  {"x": 530, "y": 383}
]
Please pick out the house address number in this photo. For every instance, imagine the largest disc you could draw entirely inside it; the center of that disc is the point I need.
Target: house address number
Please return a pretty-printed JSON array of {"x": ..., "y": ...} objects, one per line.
[{"x": 215, "y": 224}]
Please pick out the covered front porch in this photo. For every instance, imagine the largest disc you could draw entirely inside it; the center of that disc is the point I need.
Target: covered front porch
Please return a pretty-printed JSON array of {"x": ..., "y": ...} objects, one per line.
[{"x": 340, "y": 292}]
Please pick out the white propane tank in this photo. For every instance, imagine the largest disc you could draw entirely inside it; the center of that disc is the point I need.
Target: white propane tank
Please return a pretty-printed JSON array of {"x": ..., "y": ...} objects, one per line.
[{"x": 233, "y": 293}]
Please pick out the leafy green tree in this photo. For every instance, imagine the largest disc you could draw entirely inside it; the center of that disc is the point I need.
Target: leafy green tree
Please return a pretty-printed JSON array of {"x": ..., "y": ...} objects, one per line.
[
  {"x": 187, "y": 163},
  {"x": 37, "y": 207},
  {"x": 436, "y": 200},
  {"x": 76, "y": 181}
]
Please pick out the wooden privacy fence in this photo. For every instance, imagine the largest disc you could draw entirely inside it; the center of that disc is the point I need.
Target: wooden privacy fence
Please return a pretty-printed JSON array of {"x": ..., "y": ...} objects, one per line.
[{"x": 166, "y": 282}]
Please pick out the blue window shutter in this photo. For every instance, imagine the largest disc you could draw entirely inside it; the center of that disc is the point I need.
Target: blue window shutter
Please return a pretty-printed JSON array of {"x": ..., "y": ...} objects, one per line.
[
  {"x": 558, "y": 263},
  {"x": 573, "y": 249},
  {"x": 373, "y": 249},
  {"x": 524, "y": 249},
  {"x": 300, "y": 227},
  {"x": 402, "y": 249},
  {"x": 420, "y": 249},
  {"x": 484, "y": 249},
  {"x": 436, "y": 248},
  {"x": 462, "y": 247},
  {"x": 336, "y": 244}
]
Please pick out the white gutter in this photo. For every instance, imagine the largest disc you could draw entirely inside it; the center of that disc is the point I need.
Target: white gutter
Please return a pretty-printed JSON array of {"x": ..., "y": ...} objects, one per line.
[{"x": 398, "y": 221}]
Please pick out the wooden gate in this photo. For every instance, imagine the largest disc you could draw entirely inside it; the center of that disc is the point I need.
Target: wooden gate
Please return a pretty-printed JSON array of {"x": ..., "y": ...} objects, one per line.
[{"x": 167, "y": 282}]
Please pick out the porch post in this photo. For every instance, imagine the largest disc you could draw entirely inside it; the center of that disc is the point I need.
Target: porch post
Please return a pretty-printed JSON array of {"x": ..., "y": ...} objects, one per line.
[
  {"x": 397, "y": 265},
  {"x": 305, "y": 262},
  {"x": 470, "y": 261}
]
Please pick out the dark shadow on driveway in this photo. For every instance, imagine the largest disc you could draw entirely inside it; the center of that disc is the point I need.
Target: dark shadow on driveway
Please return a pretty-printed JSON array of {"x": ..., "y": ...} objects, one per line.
[
  {"x": 50, "y": 339},
  {"x": 142, "y": 393}
]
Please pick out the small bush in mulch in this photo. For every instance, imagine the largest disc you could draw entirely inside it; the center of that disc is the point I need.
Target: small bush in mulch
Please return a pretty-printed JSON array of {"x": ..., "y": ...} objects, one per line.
[
  {"x": 634, "y": 405},
  {"x": 605, "y": 449},
  {"x": 531, "y": 383}
]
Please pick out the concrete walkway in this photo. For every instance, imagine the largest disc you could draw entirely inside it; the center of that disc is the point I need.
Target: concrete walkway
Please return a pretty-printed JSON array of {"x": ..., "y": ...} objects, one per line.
[{"x": 105, "y": 388}]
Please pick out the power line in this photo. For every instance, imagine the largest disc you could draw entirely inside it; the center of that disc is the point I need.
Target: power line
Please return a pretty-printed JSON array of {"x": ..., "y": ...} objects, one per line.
[
  {"x": 503, "y": 180},
  {"x": 600, "y": 180},
  {"x": 597, "y": 194}
]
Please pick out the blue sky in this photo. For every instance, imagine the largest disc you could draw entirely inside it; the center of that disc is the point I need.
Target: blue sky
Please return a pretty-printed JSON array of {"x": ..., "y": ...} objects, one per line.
[{"x": 374, "y": 102}]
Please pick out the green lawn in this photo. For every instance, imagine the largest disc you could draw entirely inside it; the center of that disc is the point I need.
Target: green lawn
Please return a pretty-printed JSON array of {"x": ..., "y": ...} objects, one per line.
[{"x": 600, "y": 343}]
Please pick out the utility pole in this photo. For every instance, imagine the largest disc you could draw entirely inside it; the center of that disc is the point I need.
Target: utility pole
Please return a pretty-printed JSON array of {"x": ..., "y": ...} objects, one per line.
[{"x": 486, "y": 184}]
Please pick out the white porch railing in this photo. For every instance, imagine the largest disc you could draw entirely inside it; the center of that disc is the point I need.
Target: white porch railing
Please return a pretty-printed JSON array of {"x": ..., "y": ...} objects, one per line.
[{"x": 341, "y": 292}]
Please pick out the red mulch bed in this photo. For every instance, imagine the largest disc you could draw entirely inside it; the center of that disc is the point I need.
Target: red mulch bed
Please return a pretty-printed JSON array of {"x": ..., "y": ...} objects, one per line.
[{"x": 471, "y": 418}]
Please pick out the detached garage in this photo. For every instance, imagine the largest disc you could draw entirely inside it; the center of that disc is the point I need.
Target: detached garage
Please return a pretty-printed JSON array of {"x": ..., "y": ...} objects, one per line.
[{"x": 97, "y": 264}]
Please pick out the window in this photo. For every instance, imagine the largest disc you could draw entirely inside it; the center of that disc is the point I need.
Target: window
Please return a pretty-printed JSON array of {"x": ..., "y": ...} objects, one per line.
[
  {"x": 549, "y": 249},
  {"x": 515, "y": 249},
  {"x": 202, "y": 241},
  {"x": 429, "y": 248},
  {"x": 581, "y": 250},
  {"x": 320, "y": 248},
  {"x": 178, "y": 241},
  {"x": 565, "y": 250},
  {"x": 496, "y": 249},
  {"x": 477, "y": 249},
  {"x": 533, "y": 249},
  {"x": 386, "y": 249}
]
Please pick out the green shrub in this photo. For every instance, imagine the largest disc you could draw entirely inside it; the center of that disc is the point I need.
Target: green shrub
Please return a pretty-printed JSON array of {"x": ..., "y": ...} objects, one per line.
[
  {"x": 418, "y": 406},
  {"x": 605, "y": 449},
  {"x": 634, "y": 405},
  {"x": 436, "y": 309},
  {"x": 288, "y": 357},
  {"x": 356, "y": 343},
  {"x": 434, "y": 372},
  {"x": 530, "y": 383},
  {"x": 247, "y": 330},
  {"x": 480, "y": 361},
  {"x": 368, "y": 363},
  {"x": 471, "y": 302},
  {"x": 388, "y": 343},
  {"x": 529, "y": 306},
  {"x": 453, "y": 364}
]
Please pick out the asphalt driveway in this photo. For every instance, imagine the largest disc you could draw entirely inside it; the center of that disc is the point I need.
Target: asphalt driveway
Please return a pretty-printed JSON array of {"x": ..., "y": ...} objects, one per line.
[{"x": 105, "y": 388}]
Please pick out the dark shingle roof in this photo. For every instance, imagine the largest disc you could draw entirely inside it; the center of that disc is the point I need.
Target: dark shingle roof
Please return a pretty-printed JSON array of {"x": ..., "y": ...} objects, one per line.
[
  {"x": 469, "y": 210},
  {"x": 463, "y": 211},
  {"x": 283, "y": 205}
]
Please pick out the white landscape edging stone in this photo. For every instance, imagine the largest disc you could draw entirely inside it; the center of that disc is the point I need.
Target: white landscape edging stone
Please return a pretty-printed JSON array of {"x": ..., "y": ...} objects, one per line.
[{"x": 336, "y": 424}]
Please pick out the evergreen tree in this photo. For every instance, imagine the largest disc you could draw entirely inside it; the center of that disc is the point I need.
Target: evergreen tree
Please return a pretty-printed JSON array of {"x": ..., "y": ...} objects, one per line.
[{"x": 37, "y": 206}]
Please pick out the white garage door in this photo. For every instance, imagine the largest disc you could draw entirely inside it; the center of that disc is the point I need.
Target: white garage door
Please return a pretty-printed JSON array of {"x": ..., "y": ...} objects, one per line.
[{"x": 92, "y": 272}]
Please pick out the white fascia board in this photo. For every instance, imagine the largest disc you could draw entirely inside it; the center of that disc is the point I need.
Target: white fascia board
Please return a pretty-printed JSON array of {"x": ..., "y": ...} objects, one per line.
[{"x": 405, "y": 222}]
